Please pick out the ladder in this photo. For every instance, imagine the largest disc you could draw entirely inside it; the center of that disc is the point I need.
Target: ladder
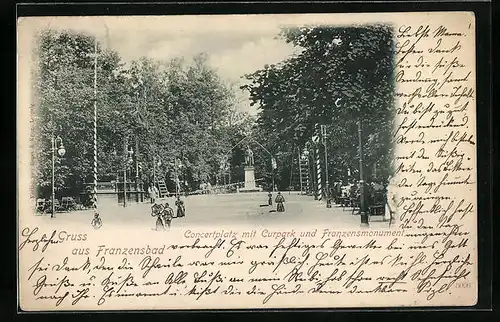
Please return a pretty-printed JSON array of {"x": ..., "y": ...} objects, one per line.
[
  {"x": 295, "y": 179},
  {"x": 304, "y": 174},
  {"x": 162, "y": 189}
]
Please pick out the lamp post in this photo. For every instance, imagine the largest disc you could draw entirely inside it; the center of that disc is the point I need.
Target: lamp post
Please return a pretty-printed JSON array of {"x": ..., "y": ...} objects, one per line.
[
  {"x": 364, "y": 215},
  {"x": 128, "y": 161},
  {"x": 155, "y": 165},
  {"x": 273, "y": 166},
  {"x": 327, "y": 188},
  {"x": 305, "y": 157},
  {"x": 309, "y": 173},
  {"x": 136, "y": 168},
  {"x": 301, "y": 158},
  {"x": 61, "y": 152},
  {"x": 178, "y": 165},
  {"x": 137, "y": 86}
]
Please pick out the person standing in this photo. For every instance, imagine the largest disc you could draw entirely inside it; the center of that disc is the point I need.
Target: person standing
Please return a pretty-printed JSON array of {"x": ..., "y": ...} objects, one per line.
[
  {"x": 155, "y": 193},
  {"x": 181, "y": 210},
  {"x": 391, "y": 200},
  {"x": 150, "y": 192},
  {"x": 280, "y": 200},
  {"x": 270, "y": 198}
]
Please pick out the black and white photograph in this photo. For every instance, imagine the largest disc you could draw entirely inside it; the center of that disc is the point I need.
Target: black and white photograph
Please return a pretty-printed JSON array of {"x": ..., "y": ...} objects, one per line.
[{"x": 159, "y": 127}]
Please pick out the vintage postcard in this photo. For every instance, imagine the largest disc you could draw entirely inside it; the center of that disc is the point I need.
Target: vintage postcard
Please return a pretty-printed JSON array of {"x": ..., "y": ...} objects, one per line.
[{"x": 247, "y": 161}]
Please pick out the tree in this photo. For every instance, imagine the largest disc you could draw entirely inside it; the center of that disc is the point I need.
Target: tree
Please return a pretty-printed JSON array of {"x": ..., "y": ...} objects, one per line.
[
  {"x": 342, "y": 75},
  {"x": 177, "y": 110},
  {"x": 65, "y": 94},
  {"x": 185, "y": 113}
]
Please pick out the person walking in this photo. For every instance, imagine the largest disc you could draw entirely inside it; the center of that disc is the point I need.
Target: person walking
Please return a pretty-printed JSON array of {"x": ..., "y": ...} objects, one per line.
[{"x": 280, "y": 200}]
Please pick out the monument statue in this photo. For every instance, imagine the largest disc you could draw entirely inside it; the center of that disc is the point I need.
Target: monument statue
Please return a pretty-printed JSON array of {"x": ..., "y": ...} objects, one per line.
[{"x": 249, "y": 157}]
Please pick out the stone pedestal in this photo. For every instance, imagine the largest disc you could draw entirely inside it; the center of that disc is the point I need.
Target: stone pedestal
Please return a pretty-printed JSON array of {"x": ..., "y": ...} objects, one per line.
[
  {"x": 249, "y": 177},
  {"x": 250, "y": 181}
]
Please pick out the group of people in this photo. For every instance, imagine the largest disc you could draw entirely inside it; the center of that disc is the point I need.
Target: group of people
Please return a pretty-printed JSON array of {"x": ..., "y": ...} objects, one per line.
[
  {"x": 376, "y": 193},
  {"x": 165, "y": 213},
  {"x": 280, "y": 201}
]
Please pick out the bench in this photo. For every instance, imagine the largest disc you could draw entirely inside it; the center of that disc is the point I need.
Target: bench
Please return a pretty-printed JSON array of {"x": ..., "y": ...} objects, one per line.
[
  {"x": 68, "y": 203},
  {"x": 48, "y": 206},
  {"x": 378, "y": 210}
]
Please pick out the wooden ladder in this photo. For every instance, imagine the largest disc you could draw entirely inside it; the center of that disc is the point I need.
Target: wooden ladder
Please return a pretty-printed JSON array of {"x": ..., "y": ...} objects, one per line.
[
  {"x": 304, "y": 175},
  {"x": 162, "y": 189}
]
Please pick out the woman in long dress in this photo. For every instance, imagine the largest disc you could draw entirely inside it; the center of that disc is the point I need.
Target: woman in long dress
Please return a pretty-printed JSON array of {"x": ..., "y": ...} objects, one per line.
[
  {"x": 153, "y": 193},
  {"x": 181, "y": 211},
  {"x": 280, "y": 207}
]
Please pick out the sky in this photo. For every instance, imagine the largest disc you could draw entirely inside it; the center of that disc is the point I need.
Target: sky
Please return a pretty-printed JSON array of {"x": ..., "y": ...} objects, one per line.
[
  {"x": 235, "y": 46},
  {"x": 232, "y": 53}
]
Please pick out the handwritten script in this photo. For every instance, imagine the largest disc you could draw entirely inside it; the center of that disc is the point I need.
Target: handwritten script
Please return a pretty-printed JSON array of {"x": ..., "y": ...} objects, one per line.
[{"x": 262, "y": 268}]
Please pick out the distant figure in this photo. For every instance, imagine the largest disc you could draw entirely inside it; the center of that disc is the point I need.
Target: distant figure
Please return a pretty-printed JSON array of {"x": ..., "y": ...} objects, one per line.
[
  {"x": 181, "y": 210},
  {"x": 157, "y": 211},
  {"x": 96, "y": 222},
  {"x": 270, "y": 198},
  {"x": 249, "y": 157},
  {"x": 167, "y": 215},
  {"x": 156, "y": 192},
  {"x": 279, "y": 201},
  {"x": 391, "y": 203},
  {"x": 152, "y": 190}
]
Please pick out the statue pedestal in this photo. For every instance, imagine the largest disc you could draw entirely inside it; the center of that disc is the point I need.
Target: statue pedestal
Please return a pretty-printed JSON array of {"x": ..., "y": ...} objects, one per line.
[{"x": 250, "y": 181}]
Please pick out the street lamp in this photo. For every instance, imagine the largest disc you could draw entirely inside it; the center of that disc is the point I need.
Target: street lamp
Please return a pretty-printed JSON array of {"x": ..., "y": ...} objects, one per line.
[
  {"x": 128, "y": 162},
  {"x": 304, "y": 157},
  {"x": 179, "y": 165},
  {"x": 309, "y": 176},
  {"x": 273, "y": 166},
  {"x": 155, "y": 165},
  {"x": 318, "y": 193},
  {"x": 327, "y": 185},
  {"x": 61, "y": 151},
  {"x": 364, "y": 215}
]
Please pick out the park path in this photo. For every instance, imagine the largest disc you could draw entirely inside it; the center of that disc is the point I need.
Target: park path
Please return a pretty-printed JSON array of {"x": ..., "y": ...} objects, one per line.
[{"x": 224, "y": 209}]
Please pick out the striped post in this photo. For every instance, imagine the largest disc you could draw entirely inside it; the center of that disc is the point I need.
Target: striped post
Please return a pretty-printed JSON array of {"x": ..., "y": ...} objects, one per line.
[
  {"x": 319, "y": 188},
  {"x": 94, "y": 192}
]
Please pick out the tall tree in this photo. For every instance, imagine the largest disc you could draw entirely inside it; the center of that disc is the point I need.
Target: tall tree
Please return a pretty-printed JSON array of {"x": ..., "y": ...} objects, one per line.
[
  {"x": 64, "y": 91},
  {"x": 341, "y": 75}
]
